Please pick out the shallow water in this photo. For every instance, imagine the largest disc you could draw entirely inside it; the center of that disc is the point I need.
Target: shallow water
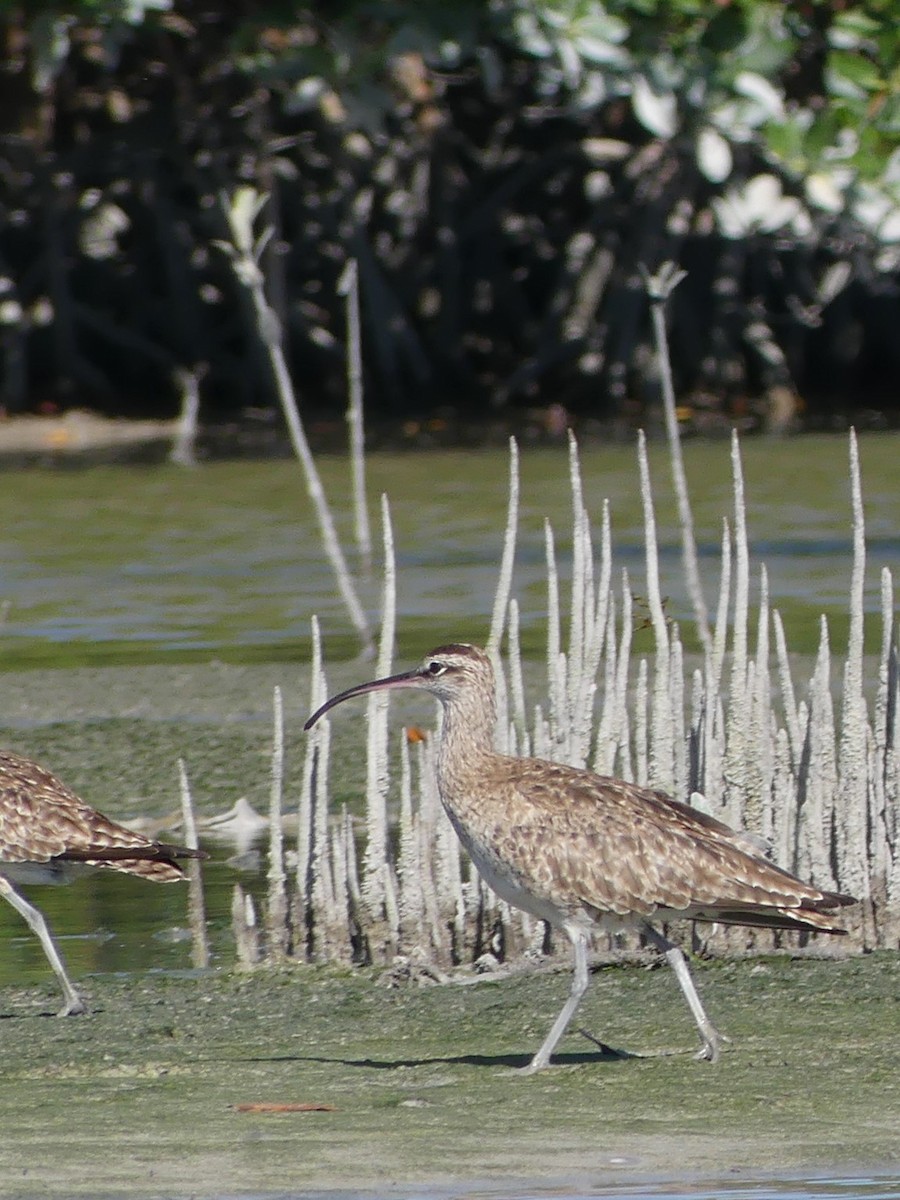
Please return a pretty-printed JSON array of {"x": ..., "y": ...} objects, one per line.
[
  {"x": 160, "y": 565},
  {"x": 121, "y": 564}
]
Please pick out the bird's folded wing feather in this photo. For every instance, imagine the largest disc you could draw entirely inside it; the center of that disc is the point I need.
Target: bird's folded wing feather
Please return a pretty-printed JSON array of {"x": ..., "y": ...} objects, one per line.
[
  {"x": 624, "y": 849},
  {"x": 41, "y": 818}
]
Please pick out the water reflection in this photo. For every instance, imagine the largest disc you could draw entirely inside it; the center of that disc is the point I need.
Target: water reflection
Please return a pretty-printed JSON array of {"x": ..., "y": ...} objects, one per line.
[{"x": 106, "y": 923}]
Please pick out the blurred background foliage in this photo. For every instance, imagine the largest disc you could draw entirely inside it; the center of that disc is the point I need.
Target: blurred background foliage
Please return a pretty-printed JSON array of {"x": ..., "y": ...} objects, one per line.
[{"x": 501, "y": 171}]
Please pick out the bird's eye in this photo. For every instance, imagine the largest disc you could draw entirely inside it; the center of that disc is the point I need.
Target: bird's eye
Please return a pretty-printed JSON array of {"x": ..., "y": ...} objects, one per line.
[{"x": 436, "y": 668}]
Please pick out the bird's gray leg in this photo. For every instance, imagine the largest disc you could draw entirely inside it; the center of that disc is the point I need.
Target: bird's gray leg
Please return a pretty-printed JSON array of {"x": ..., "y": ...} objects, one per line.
[
  {"x": 712, "y": 1039},
  {"x": 36, "y": 923},
  {"x": 580, "y": 980}
]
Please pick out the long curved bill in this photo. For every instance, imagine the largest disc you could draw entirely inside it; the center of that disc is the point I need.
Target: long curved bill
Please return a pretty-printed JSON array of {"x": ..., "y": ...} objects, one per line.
[{"x": 406, "y": 679}]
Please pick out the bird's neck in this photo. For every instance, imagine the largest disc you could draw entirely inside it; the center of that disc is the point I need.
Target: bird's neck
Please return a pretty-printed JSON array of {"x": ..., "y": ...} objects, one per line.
[{"x": 467, "y": 740}]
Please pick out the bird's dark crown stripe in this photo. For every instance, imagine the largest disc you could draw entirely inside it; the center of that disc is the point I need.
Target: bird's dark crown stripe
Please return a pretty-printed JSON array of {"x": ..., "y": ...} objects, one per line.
[{"x": 463, "y": 649}]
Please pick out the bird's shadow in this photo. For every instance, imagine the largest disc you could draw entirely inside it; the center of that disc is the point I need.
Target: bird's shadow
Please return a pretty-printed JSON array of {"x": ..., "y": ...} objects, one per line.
[
  {"x": 513, "y": 1062},
  {"x": 42, "y": 1014}
]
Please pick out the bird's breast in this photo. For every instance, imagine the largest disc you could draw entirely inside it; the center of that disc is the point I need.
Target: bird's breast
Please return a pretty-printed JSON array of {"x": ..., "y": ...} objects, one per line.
[{"x": 501, "y": 876}]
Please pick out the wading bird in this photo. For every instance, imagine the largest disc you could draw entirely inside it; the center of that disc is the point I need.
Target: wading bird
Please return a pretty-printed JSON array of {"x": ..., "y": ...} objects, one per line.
[
  {"x": 49, "y": 835},
  {"x": 587, "y": 852}
]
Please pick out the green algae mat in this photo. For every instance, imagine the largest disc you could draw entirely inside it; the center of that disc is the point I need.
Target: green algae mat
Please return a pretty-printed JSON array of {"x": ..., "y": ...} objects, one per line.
[{"x": 302, "y": 1079}]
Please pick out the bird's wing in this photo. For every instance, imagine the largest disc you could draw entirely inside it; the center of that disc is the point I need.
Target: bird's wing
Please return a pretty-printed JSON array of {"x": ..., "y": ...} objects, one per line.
[
  {"x": 41, "y": 818},
  {"x": 615, "y": 847}
]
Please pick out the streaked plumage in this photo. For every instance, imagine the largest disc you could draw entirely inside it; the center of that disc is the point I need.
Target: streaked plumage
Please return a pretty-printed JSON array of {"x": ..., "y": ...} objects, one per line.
[
  {"x": 585, "y": 851},
  {"x": 49, "y": 835}
]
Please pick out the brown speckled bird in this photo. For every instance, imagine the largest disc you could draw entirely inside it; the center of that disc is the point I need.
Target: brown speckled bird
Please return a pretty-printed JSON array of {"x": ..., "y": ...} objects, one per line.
[
  {"x": 586, "y": 852},
  {"x": 49, "y": 835}
]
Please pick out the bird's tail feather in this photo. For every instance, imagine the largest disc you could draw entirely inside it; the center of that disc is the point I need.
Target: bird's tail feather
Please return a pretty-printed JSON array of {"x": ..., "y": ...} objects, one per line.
[
  {"x": 155, "y": 860},
  {"x": 818, "y": 918}
]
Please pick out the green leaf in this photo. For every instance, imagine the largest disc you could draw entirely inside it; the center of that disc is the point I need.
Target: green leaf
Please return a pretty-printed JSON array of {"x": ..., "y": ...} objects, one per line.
[{"x": 855, "y": 68}]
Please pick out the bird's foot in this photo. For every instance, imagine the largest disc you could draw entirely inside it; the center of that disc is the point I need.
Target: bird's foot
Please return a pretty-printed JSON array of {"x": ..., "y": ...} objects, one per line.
[
  {"x": 712, "y": 1045},
  {"x": 538, "y": 1063},
  {"x": 73, "y": 1007}
]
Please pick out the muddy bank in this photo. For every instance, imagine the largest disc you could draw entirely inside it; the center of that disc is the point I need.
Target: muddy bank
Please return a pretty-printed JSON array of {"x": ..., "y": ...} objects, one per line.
[{"x": 139, "y": 1097}]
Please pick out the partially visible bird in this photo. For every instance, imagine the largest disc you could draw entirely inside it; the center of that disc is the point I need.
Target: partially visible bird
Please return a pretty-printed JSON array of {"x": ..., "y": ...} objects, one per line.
[
  {"x": 587, "y": 852},
  {"x": 49, "y": 835}
]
